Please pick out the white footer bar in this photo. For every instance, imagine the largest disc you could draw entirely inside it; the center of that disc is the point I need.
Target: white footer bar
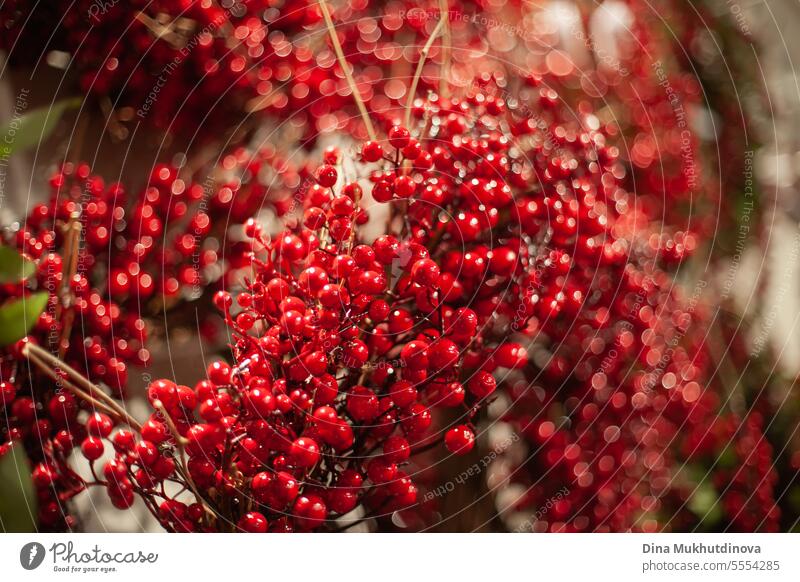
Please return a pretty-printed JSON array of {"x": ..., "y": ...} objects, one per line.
[{"x": 399, "y": 557}]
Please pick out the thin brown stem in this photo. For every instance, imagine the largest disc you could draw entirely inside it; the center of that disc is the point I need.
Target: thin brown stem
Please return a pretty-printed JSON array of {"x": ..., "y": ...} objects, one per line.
[
  {"x": 161, "y": 31},
  {"x": 76, "y": 144},
  {"x": 447, "y": 48},
  {"x": 53, "y": 363},
  {"x": 180, "y": 441},
  {"x": 423, "y": 55},
  {"x": 117, "y": 131},
  {"x": 180, "y": 444},
  {"x": 337, "y": 47},
  {"x": 85, "y": 396},
  {"x": 72, "y": 246}
]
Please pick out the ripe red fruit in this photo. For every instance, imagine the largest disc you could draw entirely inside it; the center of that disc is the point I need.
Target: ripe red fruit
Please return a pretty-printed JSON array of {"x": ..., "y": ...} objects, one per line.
[
  {"x": 316, "y": 363},
  {"x": 403, "y": 393},
  {"x": 482, "y": 384},
  {"x": 362, "y": 404},
  {"x": 304, "y": 452},
  {"x": 443, "y": 355},
  {"x": 260, "y": 403},
  {"x": 314, "y": 218},
  {"x": 463, "y": 323},
  {"x": 386, "y": 249},
  {"x": 63, "y": 408},
  {"x": 416, "y": 420},
  {"x": 154, "y": 431},
  {"x": 414, "y": 355},
  {"x": 260, "y": 486},
  {"x": 283, "y": 490},
  {"x": 223, "y": 301},
  {"x": 327, "y": 176},
  {"x": 253, "y": 522},
  {"x": 459, "y": 440},
  {"x": 92, "y": 448},
  {"x": 278, "y": 289},
  {"x": 378, "y": 310},
  {"x": 342, "y": 501},
  {"x": 355, "y": 354},
  {"x": 371, "y": 151},
  {"x": 219, "y": 373},
  {"x": 124, "y": 440},
  {"x": 396, "y": 449},
  {"x": 309, "y": 512},
  {"x": 404, "y": 186},
  {"x": 426, "y": 272},
  {"x": 313, "y": 280},
  {"x": 292, "y": 322},
  {"x": 399, "y": 137},
  {"x": 381, "y": 470},
  {"x": 164, "y": 391},
  {"x": 466, "y": 227},
  {"x": 7, "y": 393},
  {"x": 146, "y": 452},
  {"x": 99, "y": 425},
  {"x": 450, "y": 394},
  {"x": 511, "y": 355}
]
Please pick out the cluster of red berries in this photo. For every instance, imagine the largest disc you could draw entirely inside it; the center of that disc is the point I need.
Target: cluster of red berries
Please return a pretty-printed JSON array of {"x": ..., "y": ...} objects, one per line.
[
  {"x": 602, "y": 410},
  {"x": 344, "y": 348},
  {"x": 739, "y": 462},
  {"x": 153, "y": 249},
  {"x": 85, "y": 329},
  {"x": 110, "y": 261},
  {"x": 657, "y": 106},
  {"x": 605, "y": 403},
  {"x": 169, "y": 63},
  {"x": 512, "y": 228},
  {"x": 201, "y": 56}
]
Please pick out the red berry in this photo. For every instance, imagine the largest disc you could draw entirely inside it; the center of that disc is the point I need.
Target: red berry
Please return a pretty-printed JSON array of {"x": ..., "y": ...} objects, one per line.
[
  {"x": 482, "y": 384},
  {"x": 164, "y": 391},
  {"x": 399, "y": 137},
  {"x": 459, "y": 440},
  {"x": 92, "y": 448},
  {"x": 259, "y": 402},
  {"x": 253, "y": 522},
  {"x": 362, "y": 404},
  {"x": 309, "y": 512},
  {"x": 219, "y": 373},
  {"x": 99, "y": 425},
  {"x": 404, "y": 186},
  {"x": 327, "y": 175},
  {"x": 426, "y": 273},
  {"x": 223, "y": 301},
  {"x": 403, "y": 393},
  {"x": 510, "y": 355},
  {"x": 304, "y": 452},
  {"x": 443, "y": 355},
  {"x": 396, "y": 449},
  {"x": 146, "y": 452},
  {"x": 371, "y": 151},
  {"x": 414, "y": 355},
  {"x": 381, "y": 470}
]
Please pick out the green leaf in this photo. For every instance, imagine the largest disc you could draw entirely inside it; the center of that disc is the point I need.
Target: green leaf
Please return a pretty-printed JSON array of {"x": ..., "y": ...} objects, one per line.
[
  {"x": 704, "y": 503},
  {"x": 727, "y": 459},
  {"x": 18, "y": 316},
  {"x": 17, "y": 497},
  {"x": 14, "y": 267},
  {"x": 32, "y": 128}
]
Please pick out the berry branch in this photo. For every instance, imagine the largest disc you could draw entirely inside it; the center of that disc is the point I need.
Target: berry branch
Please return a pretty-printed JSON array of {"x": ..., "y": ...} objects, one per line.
[{"x": 345, "y": 66}]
